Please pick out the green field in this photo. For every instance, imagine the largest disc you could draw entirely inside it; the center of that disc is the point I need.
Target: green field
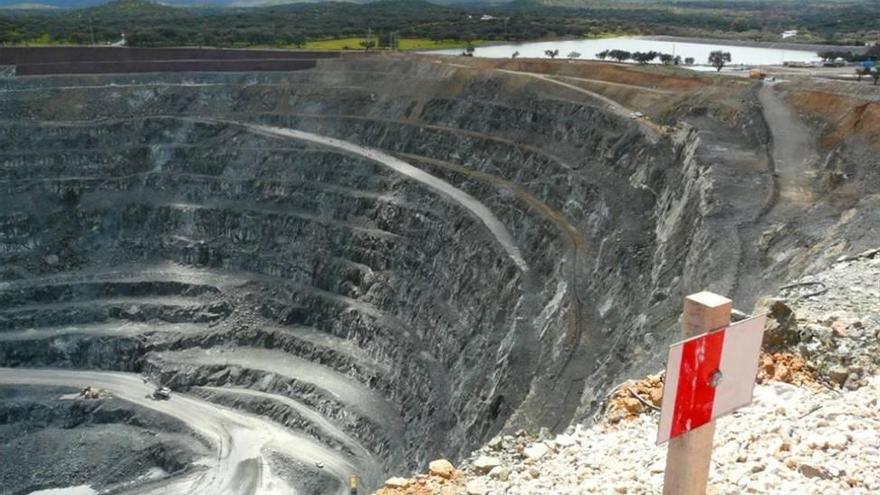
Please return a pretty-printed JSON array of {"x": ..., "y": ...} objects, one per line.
[{"x": 404, "y": 44}]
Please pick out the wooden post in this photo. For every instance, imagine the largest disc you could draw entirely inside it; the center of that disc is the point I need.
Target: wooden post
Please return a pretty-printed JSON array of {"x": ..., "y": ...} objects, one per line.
[{"x": 689, "y": 455}]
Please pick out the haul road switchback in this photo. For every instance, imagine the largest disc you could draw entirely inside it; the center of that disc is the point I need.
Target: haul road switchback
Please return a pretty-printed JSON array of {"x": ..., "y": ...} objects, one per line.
[{"x": 240, "y": 442}]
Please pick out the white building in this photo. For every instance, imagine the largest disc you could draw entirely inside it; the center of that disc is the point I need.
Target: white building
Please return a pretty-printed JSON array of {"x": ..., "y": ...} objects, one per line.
[{"x": 789, "y": 34}]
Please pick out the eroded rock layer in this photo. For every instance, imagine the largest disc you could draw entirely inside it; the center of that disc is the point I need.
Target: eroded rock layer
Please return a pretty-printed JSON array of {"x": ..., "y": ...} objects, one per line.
[{"x": 396, "y": 259}]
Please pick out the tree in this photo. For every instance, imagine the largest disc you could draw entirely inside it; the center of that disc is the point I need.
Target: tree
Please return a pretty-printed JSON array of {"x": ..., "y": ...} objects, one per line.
[
  {"x": 677, "y": 60},
  {"x": 368, "y": 43},
  {"x": 620, "y": 55},
  {"x": 515, "y": 54},
  {"x": 551, "y": 53},
  {"x": 574, "y": 55},
  {"x": 739, "y": 24},
  {"x": 689, "y": 61},
  {"x": 666, "y": 58},
  {"x": 719, "y": 59},
  {"x": 389, "y": 40},
  {"x": 644, "y": 57},
  {"x": 828, "y": 55},
  {"x": 602, "y": 55},
  {"x": 470, "y": 49},
  {"x": 298, "y": 40}
]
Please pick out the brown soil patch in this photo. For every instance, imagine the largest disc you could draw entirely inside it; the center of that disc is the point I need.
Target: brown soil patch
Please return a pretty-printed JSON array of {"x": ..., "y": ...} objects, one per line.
[
  {"x": 637, "y": 397},
  {"x": 846, "y": 117},
  {"x": 424, "y": 484},
  {"x": 633, "y": 398},
  {"x": 627, "y": 96},
  {"x": 785, "y": 367},
  {"x": 656, "y": 77}
]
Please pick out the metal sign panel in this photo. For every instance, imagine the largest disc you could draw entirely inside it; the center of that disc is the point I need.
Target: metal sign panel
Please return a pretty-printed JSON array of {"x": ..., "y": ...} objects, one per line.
[{"x": 709, "y": 376}]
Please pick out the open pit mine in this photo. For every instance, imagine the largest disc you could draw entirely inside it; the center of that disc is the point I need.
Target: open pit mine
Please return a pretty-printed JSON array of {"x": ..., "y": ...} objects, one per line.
[{"x": 355, "y": 268}]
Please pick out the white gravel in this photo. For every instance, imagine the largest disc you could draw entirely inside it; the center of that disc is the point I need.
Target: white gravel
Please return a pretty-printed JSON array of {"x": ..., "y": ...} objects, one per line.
[{"x": 789, "y": 441}]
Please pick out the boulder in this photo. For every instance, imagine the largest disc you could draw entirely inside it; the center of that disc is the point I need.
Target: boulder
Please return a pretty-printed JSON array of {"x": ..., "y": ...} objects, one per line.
[
  {"x": 814, "y": 472},
  {"x": 441, "y": 468},
  {"x": 536, "y": 451},
  {"x": 564, "y": 440},
  {"x": 838, "y": 375},
  {"x": 632, "y": 406},
  {"x": 499, "y": 473},
  {"x": 839, "y": 329},
  {"x": 820, "y": 333},
  {"x": 476, "y": 487},
  {"x": 397, "y": 482},
  {"x": 485, "y": 463},
  {"x": 497, "y": 443},
  {"x": 781, "y": 329}
]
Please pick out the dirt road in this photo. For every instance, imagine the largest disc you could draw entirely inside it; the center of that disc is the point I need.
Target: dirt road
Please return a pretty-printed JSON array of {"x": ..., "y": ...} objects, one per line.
[
  {"x": 651, "y": 130},
  {"x": 240, "y": 441},
  {"x": 794, "y": 157},
  {"x": 793, "y": 150},
  {"x": 470, "y": 203}
]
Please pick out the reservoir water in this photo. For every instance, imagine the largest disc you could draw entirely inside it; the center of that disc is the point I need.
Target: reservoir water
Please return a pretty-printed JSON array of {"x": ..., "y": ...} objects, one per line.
[{"x": 588, "y": 49}]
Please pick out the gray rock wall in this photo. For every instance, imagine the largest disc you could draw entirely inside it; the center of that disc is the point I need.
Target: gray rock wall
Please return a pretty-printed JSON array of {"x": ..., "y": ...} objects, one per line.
[{"x": 147, "y": 200}]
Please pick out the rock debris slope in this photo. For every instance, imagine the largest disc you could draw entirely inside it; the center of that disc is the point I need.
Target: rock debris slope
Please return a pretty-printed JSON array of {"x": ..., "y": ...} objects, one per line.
[{"x": 820, "y": 436}]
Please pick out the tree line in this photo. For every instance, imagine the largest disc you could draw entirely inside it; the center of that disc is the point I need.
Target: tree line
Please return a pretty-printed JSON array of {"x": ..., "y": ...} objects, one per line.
[
  {"x": 644, "y": 57},
  {"x": 873, "y": 53},
  {"x": 717, "y": 59},
  {"x": 150, "y": 24}
]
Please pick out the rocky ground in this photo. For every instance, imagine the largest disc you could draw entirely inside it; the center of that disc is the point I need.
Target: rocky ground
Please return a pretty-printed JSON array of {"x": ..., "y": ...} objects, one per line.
[
  {"x": 814, "y": 425},
  {"x": 108, "y": 442}
]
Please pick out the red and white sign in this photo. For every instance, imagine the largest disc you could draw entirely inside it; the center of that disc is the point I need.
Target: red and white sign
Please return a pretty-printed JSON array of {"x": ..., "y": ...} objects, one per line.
[{"x": 709, "y": 376}]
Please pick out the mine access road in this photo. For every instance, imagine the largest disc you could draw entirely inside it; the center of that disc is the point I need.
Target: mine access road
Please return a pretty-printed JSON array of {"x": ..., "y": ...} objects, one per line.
[{"x": 241, "y": 442}]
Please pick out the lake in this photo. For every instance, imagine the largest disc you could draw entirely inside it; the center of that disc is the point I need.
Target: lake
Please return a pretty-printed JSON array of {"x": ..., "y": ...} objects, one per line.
[{"x": 699, "y": 51}]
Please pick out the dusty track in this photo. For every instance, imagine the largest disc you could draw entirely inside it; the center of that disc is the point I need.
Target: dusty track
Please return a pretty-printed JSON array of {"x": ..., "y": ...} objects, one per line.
[
  {"x": 793, "y": 150},
  {"x": 495, "y": 226},
  {"x": 651, "y": 129},
  {"x": 241, "y": 441}
]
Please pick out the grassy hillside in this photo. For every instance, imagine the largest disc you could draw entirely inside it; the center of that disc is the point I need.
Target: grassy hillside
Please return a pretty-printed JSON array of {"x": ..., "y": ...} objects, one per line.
[{"x": 312, "y": 24}]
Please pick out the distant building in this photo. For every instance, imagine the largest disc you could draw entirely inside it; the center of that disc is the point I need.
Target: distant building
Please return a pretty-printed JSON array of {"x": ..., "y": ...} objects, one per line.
[
  {"x": 487, "y": 17},
  {"x": 789, "y": 34}
]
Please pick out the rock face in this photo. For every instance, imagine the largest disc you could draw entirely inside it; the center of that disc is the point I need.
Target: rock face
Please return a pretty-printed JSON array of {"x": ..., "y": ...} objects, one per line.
[{"x": 152, "y": 224}]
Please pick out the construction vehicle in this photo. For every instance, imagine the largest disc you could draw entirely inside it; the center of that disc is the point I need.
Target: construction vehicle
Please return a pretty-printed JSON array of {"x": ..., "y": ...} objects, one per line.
[
  {"x": 90, "y": 393},
  {"x": 162, "y": 393}
]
